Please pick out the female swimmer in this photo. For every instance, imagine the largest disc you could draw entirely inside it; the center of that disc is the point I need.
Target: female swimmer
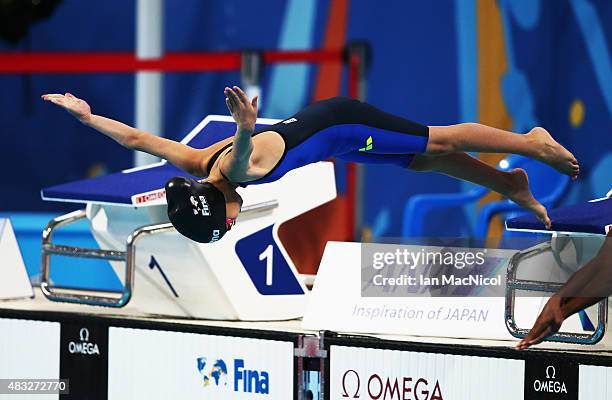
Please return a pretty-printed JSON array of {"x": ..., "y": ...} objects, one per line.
[{"x": 338, "y": 127}]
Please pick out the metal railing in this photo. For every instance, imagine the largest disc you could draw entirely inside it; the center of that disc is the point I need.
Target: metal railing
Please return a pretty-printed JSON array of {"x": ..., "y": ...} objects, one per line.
[
  {"x": 513, "y": 284},
  {"x": 97, "y": 297}
]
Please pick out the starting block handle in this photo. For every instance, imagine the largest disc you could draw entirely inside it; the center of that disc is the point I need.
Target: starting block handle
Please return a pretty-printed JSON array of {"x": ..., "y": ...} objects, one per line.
[
  {"x": 259, "y": 207},
  {"x": 85, "y": 253},
  {"x": 567, "y": 337},
  {"x": 514, "y": 284},
  {"x": 100, "y": 298},
  {"x": 92, "y": 297},
  {"x": 80, "y": 296}
]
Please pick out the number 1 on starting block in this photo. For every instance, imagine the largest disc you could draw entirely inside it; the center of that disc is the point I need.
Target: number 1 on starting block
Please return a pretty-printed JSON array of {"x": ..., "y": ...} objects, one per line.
[{"x": 266, "y": 264}]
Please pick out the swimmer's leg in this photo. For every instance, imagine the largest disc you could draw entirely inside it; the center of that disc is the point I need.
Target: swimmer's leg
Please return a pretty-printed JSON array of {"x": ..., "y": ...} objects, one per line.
[
  {"x": 513, "y": 184},
  {"x": 537, "y": 144}
]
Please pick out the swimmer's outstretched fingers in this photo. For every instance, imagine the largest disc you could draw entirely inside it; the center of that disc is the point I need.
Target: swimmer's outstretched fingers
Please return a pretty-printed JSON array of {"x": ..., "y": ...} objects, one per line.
[{"x": 75, "y": 106}]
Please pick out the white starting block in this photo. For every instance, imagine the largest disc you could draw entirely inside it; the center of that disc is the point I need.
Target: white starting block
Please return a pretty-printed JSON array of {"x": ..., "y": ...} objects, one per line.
[
  {"x": 404, "y": 295},
  {"x": 246, "y": 276},
  {"x": 14, "y": 280},
  {"x": 342, "y": 299}
]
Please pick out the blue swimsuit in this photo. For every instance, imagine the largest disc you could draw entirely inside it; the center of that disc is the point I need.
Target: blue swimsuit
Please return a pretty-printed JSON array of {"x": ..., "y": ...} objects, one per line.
[{"x": 344, "y": 128}]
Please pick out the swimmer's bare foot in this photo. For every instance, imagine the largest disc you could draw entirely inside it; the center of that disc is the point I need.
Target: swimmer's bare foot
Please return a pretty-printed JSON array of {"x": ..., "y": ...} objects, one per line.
[
  {"x": 553, "y": 154},
  {"x": 520, "y": 194}
]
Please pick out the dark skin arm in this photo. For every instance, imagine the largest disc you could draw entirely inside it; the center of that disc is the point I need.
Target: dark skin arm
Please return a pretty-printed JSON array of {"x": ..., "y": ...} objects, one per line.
[{"x": 593, "y": 280}]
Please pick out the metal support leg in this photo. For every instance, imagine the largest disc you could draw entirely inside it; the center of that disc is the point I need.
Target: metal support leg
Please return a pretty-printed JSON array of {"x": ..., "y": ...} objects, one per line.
[{"x": 310, "y": 346}]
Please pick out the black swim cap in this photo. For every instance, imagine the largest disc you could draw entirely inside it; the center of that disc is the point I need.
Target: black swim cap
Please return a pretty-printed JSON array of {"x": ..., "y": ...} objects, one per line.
[{"x": 197, "y": 210}]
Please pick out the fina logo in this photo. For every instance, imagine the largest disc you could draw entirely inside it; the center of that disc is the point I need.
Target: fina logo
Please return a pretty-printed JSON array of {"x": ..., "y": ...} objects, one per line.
[
  {"x": 84, "y": 346},
  {"x": 212, "y": 372},
  {"x": 387, "y": 388},
  {"x": 550, "y": 385},
  {"x": 200, "y": 207},
  {"x": 215, "y": 374}
]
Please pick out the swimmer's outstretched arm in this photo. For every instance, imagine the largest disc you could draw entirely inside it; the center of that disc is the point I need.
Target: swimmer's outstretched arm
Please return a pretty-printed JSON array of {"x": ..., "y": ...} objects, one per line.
[
  {"x": 244, "y": 112},
  {"x": 184, "y": 157}
]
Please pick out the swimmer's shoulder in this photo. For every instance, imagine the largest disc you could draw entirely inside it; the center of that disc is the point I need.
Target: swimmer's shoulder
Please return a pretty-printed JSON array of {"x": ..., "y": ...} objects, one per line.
[
  {"x": 211, "y": 154},
  {"x": 268, "y": 148}
]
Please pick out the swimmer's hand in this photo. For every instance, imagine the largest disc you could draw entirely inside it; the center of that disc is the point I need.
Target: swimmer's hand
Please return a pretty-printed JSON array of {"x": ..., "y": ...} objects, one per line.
[
  {"x": 75, "y": 106},
  {"x": 243, "y": 110},
  {"x": 548, "y": 323}
]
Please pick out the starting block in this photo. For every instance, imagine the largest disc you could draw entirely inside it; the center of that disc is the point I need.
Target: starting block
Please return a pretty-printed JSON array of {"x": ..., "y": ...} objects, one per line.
[
  {"x": 14, "y": 281},
  {"x": 246, "y": 276},
  {"x": 570, "y": 224}
]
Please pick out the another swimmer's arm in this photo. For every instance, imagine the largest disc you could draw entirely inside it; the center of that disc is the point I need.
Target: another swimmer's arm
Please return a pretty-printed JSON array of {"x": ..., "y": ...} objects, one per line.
[
  {"x": 184, "y": 157},
  {"x": 589, "y": 284},
  {"x": 244, "y": 112}
]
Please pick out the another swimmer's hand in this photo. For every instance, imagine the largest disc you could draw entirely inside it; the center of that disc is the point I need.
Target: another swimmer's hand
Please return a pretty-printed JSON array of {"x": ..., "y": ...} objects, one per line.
[
  {"x": 548, "y": 323},
  {"x": 75, "y": 106},
  {"x": 243, "y": 111}
]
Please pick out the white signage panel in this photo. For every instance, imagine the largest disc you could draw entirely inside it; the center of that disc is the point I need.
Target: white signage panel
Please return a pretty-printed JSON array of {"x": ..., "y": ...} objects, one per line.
[
  {"x": 365, "y": 374},
  {"x": 337, "y": 303},
  {"x": 150, "y": 365},
  {"x": 29, "y": 350},
  {"x": 594, "y": 382}
]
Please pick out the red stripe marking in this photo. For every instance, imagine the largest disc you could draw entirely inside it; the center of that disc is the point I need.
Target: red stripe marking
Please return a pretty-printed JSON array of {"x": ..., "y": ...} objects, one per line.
[{"x": 61, "y": 62}]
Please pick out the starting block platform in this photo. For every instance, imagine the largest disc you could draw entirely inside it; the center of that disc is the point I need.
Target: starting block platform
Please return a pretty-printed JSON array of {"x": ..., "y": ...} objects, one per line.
[
  {"x": 112, "y": 353},
  {"x": 590, "y": 218}
]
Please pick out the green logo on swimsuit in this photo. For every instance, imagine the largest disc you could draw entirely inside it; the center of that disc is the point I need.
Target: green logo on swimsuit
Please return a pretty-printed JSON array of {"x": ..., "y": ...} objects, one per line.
[{"x": 368, "y": 146}]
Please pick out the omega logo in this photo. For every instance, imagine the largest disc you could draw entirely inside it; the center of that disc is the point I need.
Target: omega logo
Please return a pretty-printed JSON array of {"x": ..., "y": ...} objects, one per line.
[
  {"x": 344, "y": 379},
  {"x": 384, "y": 387},
  {"x": 83, "y": 346},
  {"x": 550, "y": 385}
]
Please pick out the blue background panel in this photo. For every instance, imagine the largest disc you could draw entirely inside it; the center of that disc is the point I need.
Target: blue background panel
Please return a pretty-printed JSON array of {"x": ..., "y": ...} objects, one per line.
[{"x": 425, "y": 58}]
